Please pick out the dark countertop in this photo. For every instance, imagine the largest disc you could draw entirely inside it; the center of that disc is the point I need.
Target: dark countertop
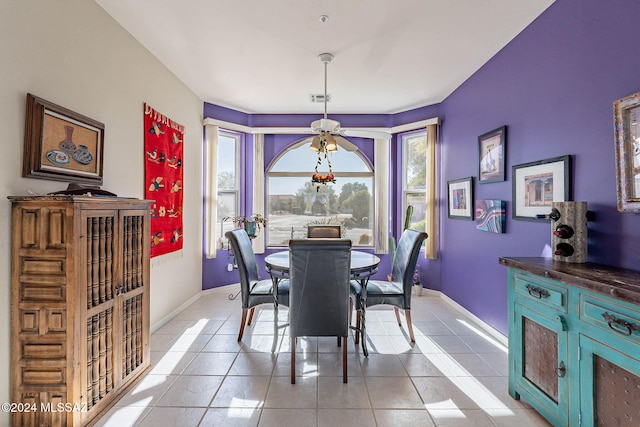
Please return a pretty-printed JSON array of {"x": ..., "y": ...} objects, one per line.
[{"x": 613, "y": 281}]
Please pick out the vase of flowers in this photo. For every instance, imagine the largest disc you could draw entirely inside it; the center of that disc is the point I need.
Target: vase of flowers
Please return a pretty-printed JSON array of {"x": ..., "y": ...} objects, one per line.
[
  {"x": 417, "y": 286},
  {"x": 251, "y": 224}
]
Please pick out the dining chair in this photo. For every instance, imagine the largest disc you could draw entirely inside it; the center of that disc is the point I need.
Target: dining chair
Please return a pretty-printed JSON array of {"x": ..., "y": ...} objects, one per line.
[
  {"x": 316, "y": 231},
  {"x": 254, "y": 291},
  {"x": 319, "y": 272},
  {"x": 397, "y": 291}
]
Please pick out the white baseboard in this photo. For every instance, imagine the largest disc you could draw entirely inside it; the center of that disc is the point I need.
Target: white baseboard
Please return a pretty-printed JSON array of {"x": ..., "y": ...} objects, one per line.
[
  {"x": 497, "y": 335},
  {"x": 227, "y": 288}
]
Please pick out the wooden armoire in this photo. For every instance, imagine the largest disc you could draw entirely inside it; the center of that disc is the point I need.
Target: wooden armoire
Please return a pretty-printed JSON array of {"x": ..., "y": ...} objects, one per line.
[{"x": 79, "y": 305}]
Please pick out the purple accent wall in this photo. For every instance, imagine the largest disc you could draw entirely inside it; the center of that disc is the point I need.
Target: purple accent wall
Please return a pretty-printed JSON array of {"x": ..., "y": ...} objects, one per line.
[{"x": 553, "y": 87}]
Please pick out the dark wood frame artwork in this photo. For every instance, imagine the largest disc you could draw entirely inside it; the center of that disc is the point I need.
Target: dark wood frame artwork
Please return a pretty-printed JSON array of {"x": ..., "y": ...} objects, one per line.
[
  {"x": 469, "y": 199},
  {"x": 52, "y": 158},
  {"x": 547, "y": 166},
  {"x": 501, "y": 134}
]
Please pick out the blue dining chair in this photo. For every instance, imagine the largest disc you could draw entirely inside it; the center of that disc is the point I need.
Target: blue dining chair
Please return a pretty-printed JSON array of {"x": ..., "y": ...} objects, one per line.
[
  {"x": 319, "y": 271},
  {"x": 254, "y": 291},
  {"x": 397, "y": 291}
]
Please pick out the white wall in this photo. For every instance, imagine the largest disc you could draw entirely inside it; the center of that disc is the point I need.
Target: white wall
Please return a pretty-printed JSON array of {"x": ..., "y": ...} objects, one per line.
[{"x": 72, "y": 53}]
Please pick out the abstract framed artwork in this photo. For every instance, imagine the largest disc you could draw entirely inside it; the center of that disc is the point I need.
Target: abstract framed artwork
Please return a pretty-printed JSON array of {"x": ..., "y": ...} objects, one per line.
[
  {"x": 627, "y": 135},
  {"x": 491, "y": 154},
  {"x": 536, "y": 185},
  {"x": 460, "y": 198},
  {"x": 61, "y": 145},
  {"x": 491, "y": 216}
]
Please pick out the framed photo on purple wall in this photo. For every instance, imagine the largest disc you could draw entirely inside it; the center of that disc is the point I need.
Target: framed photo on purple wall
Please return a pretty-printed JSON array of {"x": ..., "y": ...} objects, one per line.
[
  {"x": 627, "y": 132},
  {"x": 536, "y": 185},
  {"x": 491, "y": 154},
  {"x": 460, "y": 197}
]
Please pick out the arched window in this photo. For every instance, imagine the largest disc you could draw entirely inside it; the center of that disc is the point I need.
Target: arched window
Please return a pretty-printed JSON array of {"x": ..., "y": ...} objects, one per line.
[{"x": 293, "y": 201}]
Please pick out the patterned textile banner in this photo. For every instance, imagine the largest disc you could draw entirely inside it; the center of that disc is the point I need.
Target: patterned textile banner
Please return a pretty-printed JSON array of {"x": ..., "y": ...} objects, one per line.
[{"x": 163, "y": 139}]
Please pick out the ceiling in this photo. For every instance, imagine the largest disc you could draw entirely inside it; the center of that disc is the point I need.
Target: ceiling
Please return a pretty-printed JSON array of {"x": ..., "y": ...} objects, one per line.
[{"x": 261, "y": 56}]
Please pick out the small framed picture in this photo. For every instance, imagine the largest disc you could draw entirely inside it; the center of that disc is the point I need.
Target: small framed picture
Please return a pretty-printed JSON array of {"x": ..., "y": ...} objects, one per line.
[
  {"x": 460, "y": 195},
  {"x": 537, "y": 185},
  {"x": 491, "y": 153},
  {"x": 61, "y": 145},
  {"x": 491, "y": 216}
]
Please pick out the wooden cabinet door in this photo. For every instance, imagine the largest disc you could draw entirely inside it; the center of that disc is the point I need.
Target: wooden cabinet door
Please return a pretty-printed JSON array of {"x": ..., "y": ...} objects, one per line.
[
  {"x": 540, "y": 364},
  {"x": 132, "y": 296}
]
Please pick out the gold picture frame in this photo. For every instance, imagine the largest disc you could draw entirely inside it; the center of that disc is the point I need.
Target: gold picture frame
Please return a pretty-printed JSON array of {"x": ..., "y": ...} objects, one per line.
[
  {"x": 627, "y": 135},
  {"x": 61, "y": 145}
]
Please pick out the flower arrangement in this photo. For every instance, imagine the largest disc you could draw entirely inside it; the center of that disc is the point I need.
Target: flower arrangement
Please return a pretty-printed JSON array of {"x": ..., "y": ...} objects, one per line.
[
  {"x": 241, "y": 221},
  {"x": 323, "y": 179}
]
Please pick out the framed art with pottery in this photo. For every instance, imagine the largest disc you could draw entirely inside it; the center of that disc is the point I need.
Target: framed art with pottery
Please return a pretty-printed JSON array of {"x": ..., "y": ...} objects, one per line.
[{"x": 60, "y": 144}]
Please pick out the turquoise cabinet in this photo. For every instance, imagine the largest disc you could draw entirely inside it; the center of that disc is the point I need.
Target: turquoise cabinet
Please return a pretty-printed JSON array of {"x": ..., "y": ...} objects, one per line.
[{"x": 574, "y": 341}]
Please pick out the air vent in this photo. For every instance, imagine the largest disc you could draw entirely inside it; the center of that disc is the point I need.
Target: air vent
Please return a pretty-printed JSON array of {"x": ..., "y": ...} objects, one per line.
[{"x": 319, "y": 97}]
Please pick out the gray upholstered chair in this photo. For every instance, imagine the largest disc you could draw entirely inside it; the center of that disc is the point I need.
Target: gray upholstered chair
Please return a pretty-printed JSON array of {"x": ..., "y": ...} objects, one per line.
[
  {"x": 323, "y": 231},
  {"x": 254, "y": 291},
  {"x": 319, "y": 272},
  {"x": 396, "y": 292}
]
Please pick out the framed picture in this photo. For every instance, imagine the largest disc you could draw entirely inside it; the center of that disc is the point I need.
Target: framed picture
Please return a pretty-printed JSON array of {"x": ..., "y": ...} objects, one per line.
[
  {"x": 491, "y": 216},
  {"x": 627, "y": 134},
  {"x": 491, "y": 153},
  {"x": 61, "y": 145},
  {"x": 537, "y": 184},
  {"x": 460, "y": 195}
]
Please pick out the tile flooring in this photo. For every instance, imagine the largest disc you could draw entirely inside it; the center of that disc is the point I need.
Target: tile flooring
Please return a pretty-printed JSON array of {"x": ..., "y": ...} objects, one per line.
[{"x": 454, "y": 375}]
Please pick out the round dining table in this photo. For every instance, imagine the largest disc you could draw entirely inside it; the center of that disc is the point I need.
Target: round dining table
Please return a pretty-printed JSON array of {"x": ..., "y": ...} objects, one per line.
[{"x": 363, "y": 266}]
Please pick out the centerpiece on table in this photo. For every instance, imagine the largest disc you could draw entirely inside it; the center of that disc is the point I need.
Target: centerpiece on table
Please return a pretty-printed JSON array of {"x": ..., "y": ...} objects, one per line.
[{"x": 251, "y": 224}]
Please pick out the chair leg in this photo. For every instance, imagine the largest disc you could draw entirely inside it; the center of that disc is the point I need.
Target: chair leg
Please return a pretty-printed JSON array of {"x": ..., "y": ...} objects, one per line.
[
  {"x": 407, "y": 314},
  {"x": 397, "y": 316},
  {"x": 339, "y": 342},
  {"x": 242, "y": 321},
  {"x": 293, "y": 360},
  {"x": 344, "y": 359},
  {"x": 251, "y": 315},
  {"x": 358, "y": 316}
]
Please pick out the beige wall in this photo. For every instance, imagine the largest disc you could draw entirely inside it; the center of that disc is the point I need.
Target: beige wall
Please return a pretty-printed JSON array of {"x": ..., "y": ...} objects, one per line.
[{"x": 72, "y": 53}]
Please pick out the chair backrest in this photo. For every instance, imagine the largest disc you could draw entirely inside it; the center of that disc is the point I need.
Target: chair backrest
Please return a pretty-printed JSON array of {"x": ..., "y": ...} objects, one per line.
[
  {"x": 246, "y": 260},
  {"x": 406, "y": 258},
  {"x": 323, "y": 231},
  {"x": 319, "y": 287}
]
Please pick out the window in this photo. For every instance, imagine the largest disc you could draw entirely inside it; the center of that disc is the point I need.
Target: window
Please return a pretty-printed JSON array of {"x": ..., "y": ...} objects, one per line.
[
  {"x": 414, "y": 151},
  {"x": 293, "y": 201},
  {"x": 228, "y": 167}
]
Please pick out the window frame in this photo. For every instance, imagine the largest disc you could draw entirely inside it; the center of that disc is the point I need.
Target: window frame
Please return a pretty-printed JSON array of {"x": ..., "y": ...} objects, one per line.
[
  {"x": 238, "y": 139},
  {"x": 370, "y": 174},
  {"x": 404, "y": 140}
]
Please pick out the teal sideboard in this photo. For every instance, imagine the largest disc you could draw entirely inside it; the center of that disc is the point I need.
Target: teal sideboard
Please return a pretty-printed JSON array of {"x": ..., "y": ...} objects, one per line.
[{"x": 574, "y": 341}]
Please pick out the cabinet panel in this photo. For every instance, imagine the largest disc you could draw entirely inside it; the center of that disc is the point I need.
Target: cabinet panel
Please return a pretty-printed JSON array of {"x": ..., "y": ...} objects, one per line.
[
  {"x": 610, "y": 385},
  {"x": 540, "y": 362}
]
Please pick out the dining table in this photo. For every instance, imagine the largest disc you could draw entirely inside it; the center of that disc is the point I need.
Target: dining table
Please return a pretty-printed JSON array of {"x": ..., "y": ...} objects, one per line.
[{"x": 363, "y": 266}]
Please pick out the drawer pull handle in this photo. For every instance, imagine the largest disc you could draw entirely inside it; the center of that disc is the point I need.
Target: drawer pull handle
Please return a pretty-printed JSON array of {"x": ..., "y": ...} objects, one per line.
[
  {"x": 621, "y": 326},
  {"x": 561, "y": 370},
  {"x": 537, "y": 292}
]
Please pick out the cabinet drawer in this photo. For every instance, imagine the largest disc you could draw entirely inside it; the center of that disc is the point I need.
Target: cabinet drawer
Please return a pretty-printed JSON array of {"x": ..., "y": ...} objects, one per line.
[
  {"x": 617, "y": 319},
  {"x": 535, "y": 289}
]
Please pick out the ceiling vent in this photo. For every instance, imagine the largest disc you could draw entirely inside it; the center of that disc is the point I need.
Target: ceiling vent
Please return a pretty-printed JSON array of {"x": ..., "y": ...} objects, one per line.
[{"x": 319, "y": 97}]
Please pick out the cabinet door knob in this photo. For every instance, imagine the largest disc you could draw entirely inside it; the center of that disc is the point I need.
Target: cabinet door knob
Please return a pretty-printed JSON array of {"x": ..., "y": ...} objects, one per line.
[{"x": 561, "y": 370}]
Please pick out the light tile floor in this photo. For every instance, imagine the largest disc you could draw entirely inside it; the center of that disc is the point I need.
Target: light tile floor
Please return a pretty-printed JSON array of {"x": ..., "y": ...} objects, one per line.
[{"x": 454, "y": 375}]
